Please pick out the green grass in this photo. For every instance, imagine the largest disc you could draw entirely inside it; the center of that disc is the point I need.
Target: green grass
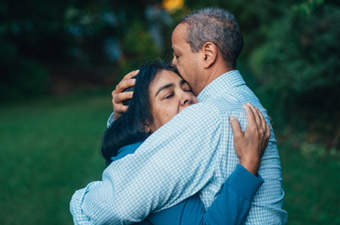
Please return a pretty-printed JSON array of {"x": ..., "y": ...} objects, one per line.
[
  {"x": 50, "y": 147},
  {"x": 312, "y": 187}
]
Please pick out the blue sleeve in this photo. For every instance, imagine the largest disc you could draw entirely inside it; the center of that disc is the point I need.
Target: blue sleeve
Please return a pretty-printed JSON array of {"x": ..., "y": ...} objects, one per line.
[{"x": 230, "y": 207}]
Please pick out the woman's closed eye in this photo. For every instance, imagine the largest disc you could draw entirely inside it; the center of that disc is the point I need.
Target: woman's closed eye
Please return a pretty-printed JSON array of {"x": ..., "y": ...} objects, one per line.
[
  {"x": 186, "y": 87},
  {"x": 187, "y": 90},
  {"x": 169, "y": 95}
]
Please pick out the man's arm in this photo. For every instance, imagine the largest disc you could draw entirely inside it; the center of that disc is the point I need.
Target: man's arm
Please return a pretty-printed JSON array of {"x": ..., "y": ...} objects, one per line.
[
  {"x": 170, "y": 166},
  {"x": 151, "y": 178},
  {"x": 237, "y": 192}
]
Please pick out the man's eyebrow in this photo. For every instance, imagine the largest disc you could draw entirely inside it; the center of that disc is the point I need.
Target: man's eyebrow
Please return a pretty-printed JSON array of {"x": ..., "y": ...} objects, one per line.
[
  {"x": 164, "y": 87},
  {"x": 173, "y": 49}
]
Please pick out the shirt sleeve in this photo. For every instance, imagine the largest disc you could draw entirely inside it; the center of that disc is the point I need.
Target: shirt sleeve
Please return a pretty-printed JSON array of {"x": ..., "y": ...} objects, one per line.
[
  {"x": 233, "y": 204},
  {"x": 171, "y": 165},
  {"x": 229, "y": 208},
  {"x": 110, "y": 120}
]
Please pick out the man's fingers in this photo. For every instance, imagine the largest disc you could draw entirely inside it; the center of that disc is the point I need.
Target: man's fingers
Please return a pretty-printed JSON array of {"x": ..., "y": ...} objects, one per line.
[
  {"x": 118, "y": 110},
  {"x": 130, "y": 75},
  {"x": 235, "y": 125},
  {"x": 124, "y": 84},
  {"x": 250, "y": 116},
  {"x": 121, "y": 109},
  {"x": 121, "y": 97}
]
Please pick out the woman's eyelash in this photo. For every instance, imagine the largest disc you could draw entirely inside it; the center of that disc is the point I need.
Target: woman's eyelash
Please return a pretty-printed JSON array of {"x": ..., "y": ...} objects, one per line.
[{"x": 169, "y": 95}]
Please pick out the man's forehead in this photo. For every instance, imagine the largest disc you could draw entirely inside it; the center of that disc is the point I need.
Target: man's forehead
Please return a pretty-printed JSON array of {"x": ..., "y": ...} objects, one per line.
[
  {"x": 180, "y": 30},
  {"x": 179, "y": 36}
]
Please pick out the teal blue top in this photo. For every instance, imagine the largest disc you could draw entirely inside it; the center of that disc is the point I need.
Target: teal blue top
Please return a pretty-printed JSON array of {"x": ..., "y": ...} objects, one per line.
[{"x": 230, "y": 207}]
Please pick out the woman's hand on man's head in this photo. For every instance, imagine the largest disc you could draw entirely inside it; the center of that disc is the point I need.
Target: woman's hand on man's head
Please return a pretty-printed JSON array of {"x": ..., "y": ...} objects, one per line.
[
  {"x": 250, "y": 144},
  {"x": 119, "y": 96}
]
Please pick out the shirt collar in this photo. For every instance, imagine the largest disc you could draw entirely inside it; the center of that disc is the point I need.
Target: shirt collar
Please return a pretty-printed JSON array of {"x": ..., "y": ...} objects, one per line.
[
  {"x": 221, "y": 85},
  {"x": 124, "y": 151}
]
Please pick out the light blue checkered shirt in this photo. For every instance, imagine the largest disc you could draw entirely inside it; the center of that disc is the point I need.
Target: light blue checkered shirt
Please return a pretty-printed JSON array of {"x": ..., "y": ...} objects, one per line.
[{"x": 192, "y": 153}]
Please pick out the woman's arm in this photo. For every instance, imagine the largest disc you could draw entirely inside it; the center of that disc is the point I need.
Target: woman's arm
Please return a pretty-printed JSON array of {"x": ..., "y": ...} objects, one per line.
[{"x": 230, "y": 207}]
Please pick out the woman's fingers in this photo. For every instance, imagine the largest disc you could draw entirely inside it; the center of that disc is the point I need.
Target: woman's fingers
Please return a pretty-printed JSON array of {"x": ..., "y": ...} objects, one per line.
[
  {"x": 250, "y": 144},
  {"x": 235, "y": 125},
  {"x": 268, "y": 131},
  {"x": 262, "y": 119},
  {"x": 262, "y": 128},
  {"x": 251, "y": 121},
  {"x": 256, "y": 115}
]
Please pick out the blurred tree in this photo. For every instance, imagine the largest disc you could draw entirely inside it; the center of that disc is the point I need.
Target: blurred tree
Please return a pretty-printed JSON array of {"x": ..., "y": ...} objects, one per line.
[
  {"x": 37, "y": 36},
  {"x": 297, "y": 67},
  {"x": 291, "y": 57}
]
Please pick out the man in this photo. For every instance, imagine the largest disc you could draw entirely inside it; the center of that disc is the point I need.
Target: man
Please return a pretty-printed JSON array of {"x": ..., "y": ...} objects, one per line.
[{"x": 193, "y": 152}]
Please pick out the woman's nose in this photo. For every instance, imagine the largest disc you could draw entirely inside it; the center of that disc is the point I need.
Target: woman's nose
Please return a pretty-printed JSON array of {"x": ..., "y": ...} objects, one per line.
[{"x": 186, "y": 98}]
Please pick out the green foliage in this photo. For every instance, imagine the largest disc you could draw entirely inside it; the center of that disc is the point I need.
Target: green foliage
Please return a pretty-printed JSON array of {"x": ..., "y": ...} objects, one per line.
[
  {"x": 23, "y": 78},
  {"x": 297, "y": 65},
  {"x": 138, "y": 47},
  {"x": 35, "y": 35},
  {"x": 300, "y": 52}
]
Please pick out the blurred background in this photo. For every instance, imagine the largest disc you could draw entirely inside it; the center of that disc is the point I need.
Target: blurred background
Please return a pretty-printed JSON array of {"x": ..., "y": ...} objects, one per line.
[{"x": 60, "y": 60}]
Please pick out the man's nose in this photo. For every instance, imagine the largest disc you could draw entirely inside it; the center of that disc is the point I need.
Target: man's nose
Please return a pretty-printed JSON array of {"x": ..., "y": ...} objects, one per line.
[{"x": 173, "y": 62}]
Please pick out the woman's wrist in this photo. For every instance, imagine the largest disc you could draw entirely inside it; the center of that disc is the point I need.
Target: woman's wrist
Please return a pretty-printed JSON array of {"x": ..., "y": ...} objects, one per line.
[{"x": 251, "y": 164}]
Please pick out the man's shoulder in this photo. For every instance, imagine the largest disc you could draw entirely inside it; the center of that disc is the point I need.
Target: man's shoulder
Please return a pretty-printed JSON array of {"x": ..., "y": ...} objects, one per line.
[
  {"x": 210, "y": 111},
  {"x": 221, "y": 106}
]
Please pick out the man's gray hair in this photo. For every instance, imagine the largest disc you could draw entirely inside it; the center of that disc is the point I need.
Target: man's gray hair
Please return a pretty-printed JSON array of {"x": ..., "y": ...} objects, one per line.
[{"x": 217, "y": 26}]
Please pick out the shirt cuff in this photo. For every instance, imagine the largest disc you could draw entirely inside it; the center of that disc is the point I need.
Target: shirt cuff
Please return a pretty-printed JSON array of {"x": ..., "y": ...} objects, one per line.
[
  {"x": 244, "y": 182},
  {"x": 110, "y": 120}
]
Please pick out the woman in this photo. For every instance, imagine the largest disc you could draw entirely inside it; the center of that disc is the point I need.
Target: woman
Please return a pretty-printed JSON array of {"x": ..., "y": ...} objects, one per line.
[{"x": 159, "y": 94}]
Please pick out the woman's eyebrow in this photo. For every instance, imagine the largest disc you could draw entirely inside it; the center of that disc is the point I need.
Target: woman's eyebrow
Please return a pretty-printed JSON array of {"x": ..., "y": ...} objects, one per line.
[
  {"x": 164, "y": 87},
  {"x": 182, "y": 82}
]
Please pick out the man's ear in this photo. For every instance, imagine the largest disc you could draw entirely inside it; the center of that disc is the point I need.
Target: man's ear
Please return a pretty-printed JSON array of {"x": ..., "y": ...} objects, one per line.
[{"x": 210, "y": 52}]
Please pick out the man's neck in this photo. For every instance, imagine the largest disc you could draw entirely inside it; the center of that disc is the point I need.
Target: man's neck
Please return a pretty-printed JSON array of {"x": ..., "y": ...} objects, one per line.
[
  {"x": 215, "y": 73},
  {"x": 212, "y": 73}
]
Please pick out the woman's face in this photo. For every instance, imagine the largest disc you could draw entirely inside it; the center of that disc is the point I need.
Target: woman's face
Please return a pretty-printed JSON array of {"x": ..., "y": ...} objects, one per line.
[{"x": 169, "y": 95}]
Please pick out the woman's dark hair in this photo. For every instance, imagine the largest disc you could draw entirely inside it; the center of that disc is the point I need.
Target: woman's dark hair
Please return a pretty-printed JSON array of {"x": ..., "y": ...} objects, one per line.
[{"x": 129, "y": 127}]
